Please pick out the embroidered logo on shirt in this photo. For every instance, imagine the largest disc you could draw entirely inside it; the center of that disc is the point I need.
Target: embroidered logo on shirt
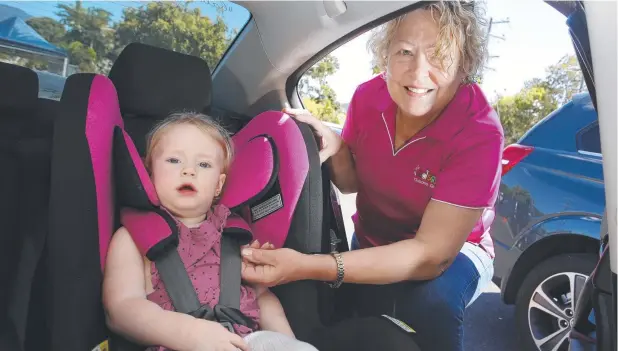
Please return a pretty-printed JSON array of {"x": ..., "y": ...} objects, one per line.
[{"x": 425, "y": 177}]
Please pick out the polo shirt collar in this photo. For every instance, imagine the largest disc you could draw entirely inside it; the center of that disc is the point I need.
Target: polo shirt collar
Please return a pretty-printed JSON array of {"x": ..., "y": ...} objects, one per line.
[{"x": 450, "y": 122}]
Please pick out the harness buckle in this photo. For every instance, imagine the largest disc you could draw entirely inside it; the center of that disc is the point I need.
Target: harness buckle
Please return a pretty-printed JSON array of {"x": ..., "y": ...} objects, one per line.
[{"x": 204, "y": 312}]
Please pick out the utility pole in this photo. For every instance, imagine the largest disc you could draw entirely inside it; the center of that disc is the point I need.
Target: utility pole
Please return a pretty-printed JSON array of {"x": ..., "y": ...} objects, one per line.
[{"x": 489, "y": 35}]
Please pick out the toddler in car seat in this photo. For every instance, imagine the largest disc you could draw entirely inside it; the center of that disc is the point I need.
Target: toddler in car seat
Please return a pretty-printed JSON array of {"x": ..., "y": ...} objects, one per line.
[{"x": 188, "y": 156}]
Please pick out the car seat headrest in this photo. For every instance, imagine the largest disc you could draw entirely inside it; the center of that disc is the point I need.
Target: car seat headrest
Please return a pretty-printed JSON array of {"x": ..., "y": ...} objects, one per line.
[
  {"x": 155, "y": 82},
  {"x": 265, "y": 191},
  {"x": 252, "y": 173},
  {"x": 19, "y": 87}
]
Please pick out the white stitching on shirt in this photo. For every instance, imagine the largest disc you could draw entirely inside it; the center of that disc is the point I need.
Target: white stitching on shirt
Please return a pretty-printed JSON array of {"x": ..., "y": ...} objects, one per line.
[
  {"x": 450, "y": 203},
  {"x": 391, "y": 138}
]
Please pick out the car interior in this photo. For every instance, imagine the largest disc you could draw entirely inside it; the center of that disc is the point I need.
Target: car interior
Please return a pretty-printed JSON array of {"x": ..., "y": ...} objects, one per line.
[{"x": 59, "y": 195}]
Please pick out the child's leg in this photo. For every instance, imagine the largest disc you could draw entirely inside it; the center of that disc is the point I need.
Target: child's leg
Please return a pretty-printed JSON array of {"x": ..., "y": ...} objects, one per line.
[{"x": 265, "y": 340}]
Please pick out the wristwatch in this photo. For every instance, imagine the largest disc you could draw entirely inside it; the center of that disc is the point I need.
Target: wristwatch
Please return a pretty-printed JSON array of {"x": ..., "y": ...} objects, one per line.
[{"x": 340, "y": 270}]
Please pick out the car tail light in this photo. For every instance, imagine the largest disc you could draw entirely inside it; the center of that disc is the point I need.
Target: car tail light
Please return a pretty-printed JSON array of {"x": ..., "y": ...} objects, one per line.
[{"x": 512, "y": 155}]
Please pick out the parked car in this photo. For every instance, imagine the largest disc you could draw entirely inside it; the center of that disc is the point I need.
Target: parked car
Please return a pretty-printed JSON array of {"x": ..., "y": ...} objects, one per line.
[{"x": 548, "y": 221}]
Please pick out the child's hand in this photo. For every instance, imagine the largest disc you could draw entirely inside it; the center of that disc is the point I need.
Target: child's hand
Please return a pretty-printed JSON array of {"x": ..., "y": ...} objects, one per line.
[{"x": 212, "y": 336}]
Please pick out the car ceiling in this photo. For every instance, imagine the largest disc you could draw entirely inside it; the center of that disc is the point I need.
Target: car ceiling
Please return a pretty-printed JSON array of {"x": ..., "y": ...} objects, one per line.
[{"x": 280, "y": 37}]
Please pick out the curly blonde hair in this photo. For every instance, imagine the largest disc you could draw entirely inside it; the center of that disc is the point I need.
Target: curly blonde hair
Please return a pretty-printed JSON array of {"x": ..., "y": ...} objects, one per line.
[
  {"x": 462, "y": 27},
  {"x": 202, "y": 122}
]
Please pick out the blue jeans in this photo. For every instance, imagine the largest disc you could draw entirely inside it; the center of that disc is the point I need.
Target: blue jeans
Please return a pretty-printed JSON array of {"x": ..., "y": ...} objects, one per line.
[{"x": 434, "y": 308}]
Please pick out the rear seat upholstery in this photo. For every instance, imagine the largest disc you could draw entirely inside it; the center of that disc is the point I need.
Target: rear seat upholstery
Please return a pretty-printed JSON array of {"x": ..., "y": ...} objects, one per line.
[
  {"x": 17, "y": 103},
  {"x": 25, "y": 137}
]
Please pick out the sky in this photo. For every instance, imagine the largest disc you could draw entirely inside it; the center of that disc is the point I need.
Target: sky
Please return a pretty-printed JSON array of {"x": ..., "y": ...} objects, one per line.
[{"x": 535, "y": 37}]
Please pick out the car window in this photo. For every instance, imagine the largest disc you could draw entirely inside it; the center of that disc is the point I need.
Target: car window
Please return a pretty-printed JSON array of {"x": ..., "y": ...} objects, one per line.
[
  {"x": 59, "y": 38},
  {"x": 590, "y": 140}
]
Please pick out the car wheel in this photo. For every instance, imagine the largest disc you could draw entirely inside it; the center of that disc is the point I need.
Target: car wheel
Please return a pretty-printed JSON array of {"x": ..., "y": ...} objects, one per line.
[{"x": 547, "y": 298}]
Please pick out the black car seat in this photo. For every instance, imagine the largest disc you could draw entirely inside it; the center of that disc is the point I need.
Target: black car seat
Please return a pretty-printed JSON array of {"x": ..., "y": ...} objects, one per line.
[
  {"x": 153, "y": 82},
  {"x": 26, "y": 129},
  {"x": 17, "y": 104}
]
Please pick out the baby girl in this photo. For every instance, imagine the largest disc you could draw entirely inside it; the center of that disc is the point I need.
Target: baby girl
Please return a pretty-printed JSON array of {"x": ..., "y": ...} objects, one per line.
[{"x": 188, "y": 156}]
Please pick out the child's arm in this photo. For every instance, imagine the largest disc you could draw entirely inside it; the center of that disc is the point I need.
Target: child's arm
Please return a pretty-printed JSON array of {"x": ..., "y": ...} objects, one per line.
[
  {"x": 272, "y": 316},
  {"x": 132, "y": 315}
]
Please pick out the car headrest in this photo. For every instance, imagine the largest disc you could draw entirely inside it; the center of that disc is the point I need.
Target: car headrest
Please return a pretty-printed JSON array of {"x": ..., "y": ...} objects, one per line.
[
  {"x": 252, "y": 173},
  {"x": 155, "y": 82},
  {"x": 19, "y": 87},
  {"x": 268, "y": 175}
]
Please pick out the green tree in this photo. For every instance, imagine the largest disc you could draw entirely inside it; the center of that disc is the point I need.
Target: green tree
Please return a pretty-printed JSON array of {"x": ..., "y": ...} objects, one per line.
[
  {"x": 565, "y": 79},
  {"x": 172, "y": 25},
  {"x": 539, "y": 97},
  {"x": 375, "y": 70},
  {"x": 523, "y": 110},
  {"x": 89, "y": 26},
  {"x": 50, "y": 29},
  {"x": 87, "y": 36},
  {"x": 314, "y": 86}
]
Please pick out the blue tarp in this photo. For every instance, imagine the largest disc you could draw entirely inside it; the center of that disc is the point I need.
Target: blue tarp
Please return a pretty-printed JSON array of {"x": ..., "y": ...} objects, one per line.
[{"x": 18, "y": 33}]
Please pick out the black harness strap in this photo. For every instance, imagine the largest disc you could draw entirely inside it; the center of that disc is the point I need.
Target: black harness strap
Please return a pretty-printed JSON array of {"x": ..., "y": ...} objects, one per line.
[
  {"x": 182, "y": 292},
  {"x": 231, "y": 266},
  {"x": 177, "y": 282}
]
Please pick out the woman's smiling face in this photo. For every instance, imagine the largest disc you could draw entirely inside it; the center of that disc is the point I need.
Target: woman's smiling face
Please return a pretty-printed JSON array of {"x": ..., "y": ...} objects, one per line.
[{"x": 420, "y": 82}]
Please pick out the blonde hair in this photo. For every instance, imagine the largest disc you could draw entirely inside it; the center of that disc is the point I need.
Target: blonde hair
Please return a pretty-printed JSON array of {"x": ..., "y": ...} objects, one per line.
[
  {"x": 201, "y": 121},
  {"x": 462, "y": 26}
]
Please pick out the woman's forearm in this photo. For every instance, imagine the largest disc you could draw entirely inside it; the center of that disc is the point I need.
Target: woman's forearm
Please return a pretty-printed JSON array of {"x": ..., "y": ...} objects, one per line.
[
  {"x": 146, "y": 323},
  {"x": 343, "y": 171},
  {"x": 400, "y": 261}
]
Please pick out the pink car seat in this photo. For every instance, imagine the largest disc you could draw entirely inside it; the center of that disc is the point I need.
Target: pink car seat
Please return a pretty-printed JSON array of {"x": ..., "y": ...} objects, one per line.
[
  {"x": 97, "y": 181},
  {"x": 153, "y": 82}
]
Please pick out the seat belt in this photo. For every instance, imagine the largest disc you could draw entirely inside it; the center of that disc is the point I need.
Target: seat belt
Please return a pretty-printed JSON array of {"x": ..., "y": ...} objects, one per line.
[
  {"x": 182, "y": 292},
  {"x": 230, "y": 274},
  {"x": 177, "y": 283}
]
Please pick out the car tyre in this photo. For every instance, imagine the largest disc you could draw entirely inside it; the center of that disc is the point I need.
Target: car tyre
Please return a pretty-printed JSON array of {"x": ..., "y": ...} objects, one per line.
[{"x": 543, "y": 290}]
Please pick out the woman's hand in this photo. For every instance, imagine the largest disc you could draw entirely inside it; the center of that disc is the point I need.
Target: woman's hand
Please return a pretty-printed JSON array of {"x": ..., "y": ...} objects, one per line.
[
  {"x": 270, "y": 267},
  {"x": 212, "y": 336},
  {"x": 330, "y": 142}
]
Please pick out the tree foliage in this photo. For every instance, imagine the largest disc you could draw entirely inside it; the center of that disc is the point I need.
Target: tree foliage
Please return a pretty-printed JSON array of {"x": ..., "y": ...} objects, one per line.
[
  {"x": 174, "y": 26},
  {"x": 538, "y": 98},
  {"x": 93, "y": 41},
  {"x": 318, "y": 96}
]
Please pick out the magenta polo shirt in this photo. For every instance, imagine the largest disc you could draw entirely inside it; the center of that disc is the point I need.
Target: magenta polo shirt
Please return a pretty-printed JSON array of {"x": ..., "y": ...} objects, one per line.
[{"x": 456, "y": 159}]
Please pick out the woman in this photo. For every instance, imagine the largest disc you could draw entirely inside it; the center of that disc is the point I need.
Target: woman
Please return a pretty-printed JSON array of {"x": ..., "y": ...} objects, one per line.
[{"x": 422, "y": 148}]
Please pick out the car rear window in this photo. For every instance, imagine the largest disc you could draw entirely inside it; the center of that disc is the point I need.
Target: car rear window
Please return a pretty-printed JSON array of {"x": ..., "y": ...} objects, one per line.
[
  {"x": 590, "y": 139},
  {"x": 58, "y": 39}
]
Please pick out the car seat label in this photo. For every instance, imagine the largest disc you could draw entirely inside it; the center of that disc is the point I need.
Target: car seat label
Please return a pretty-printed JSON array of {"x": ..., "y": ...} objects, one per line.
[
  {"x": 104, "y": 346},
  {"x": 267, "y": 207},
  {"x": 400, "y": 324}
]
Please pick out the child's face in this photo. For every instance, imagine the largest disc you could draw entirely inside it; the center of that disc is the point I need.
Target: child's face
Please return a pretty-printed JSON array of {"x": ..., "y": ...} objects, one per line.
[{"x": 187, "y": 167}]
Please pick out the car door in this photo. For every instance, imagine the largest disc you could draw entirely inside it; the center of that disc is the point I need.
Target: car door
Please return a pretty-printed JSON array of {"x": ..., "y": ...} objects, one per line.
[{"x": 592, "y": 26}]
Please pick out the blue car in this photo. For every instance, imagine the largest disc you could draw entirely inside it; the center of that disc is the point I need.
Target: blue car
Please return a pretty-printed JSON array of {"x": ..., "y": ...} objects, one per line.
[{"x": 548, "y": 221}]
